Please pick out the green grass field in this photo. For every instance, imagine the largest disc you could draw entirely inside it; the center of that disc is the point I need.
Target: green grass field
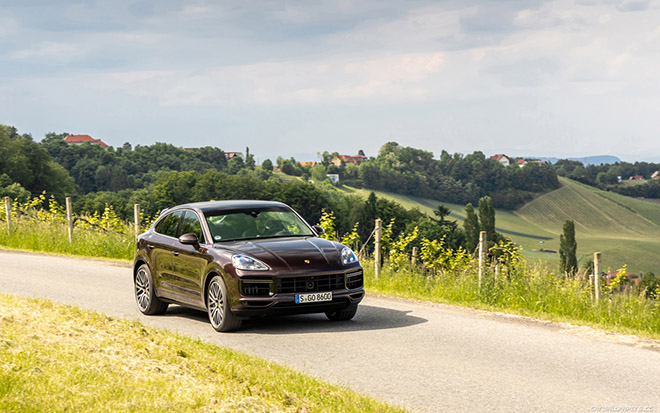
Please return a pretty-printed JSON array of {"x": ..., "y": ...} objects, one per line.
[{"x": 625, "y": 230}]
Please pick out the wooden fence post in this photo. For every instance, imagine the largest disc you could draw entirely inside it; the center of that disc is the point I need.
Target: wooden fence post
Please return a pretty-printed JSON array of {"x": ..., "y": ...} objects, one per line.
[
  {"x": 136, "y": 218},
  {"x": 8, "y": 211},
  {"x": 414, "y": 256},
  {"x": 597, "y": 270},
  {"x": 482, "y": 255},
  {"x": 69, "y": 219},
  {"x": 377, "y": 248}
]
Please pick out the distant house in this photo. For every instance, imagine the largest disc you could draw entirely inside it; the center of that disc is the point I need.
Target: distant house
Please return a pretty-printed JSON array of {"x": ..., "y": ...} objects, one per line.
[
  {"x": 632, "y": 278},
  {"x": 308, "y": 163},
  {"x": 354, "y": 159},
  {"x": 611, "y": 275},
  {"x": 230, "y": 155},
  {"x": 656, "y": 175},
  {"x": 502, "y": 158},
  {"x": 522, "y": 162},
  {"x": 636, "y": 178},
  {"x": 80, "y": 139},
  {"x": 334, "y": 178}
]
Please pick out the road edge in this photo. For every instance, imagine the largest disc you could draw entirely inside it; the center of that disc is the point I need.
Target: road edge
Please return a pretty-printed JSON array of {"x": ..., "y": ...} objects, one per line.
[{"x": 563, "y": 327}]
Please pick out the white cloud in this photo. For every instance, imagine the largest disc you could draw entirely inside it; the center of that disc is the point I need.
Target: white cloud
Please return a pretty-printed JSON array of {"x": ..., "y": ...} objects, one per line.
[
  {"x": 633, "y": 5},
  {"x": 8, "y": 25},
  {"x": 197, "y": 8},
  {"x": 418, "y": 29},
  {"x": 385, "y": 77},
  {"x": 143, "y": 38},
  {"x": 551, "y": 14},
  {"x": 547, "y": 77},
  {"x": 47, "y": 49}
]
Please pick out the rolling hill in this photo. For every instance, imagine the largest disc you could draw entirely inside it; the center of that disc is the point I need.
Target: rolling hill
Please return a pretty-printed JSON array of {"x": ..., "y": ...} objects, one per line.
[{"x": 624, "y": 229}]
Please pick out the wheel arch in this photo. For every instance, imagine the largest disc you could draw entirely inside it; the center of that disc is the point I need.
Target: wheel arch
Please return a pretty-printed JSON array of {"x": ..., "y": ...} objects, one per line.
[
  {"x": 138, "y": 263},
  {"x": 209, "y": 276}
]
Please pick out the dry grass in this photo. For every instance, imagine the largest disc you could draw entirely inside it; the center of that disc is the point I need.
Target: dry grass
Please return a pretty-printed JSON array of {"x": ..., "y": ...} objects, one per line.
[{"x": 61, "y": 358}]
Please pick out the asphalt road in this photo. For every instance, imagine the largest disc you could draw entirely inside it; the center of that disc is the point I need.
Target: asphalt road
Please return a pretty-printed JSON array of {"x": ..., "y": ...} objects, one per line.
[{"x": 422, "y": 356}]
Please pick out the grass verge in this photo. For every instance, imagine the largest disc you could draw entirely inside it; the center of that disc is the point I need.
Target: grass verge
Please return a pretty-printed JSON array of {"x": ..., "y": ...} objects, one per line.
[
  {"x": 53, "y": 238},
  {"x": 535, "y": 292},
  {"x": 62, "y": 358}
]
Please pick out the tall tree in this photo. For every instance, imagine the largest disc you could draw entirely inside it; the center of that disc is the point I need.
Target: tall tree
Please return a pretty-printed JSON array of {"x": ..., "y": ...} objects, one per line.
[
  {"x": 441, "y": 212},
  {"x": 267, "y": 165},
  {"x": 471, "y": 228},
  {"x": 367, "y": 217},
  {"x": 27, "y": 163},
  {"x": 249, "y": 158},
  {"x": 487, "y": 218},
  {"x": 567, "y": 249}
]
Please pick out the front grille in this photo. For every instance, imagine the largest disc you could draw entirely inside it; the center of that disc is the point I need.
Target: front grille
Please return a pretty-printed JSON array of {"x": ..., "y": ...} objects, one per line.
[
  {"x": 311, "y": 284},
  {"x": 254, "y": 289},
  {"x": 354, "y": 280}
]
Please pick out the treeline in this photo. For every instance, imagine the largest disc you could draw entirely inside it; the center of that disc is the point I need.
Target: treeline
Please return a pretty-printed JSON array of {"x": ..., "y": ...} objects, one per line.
[
  {"x": 177, "y": 187},
  {"x": 97, "y": 169},
  {"x": 26, "y": 167},
  {"x": 456, "y": 178},
  {"x": 161, "y": 175},
  {"x": 607, "y": 176}
]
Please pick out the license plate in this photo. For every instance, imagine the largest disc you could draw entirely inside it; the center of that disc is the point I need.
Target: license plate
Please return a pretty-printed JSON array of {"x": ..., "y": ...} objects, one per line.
[{"x": 313, "y": 297}]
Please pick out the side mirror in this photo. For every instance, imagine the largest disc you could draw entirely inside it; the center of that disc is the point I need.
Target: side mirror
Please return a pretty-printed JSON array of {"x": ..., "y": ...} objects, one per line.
[
  {"x": 189, "y": 239},
  {"x": 318, "y": 229}
]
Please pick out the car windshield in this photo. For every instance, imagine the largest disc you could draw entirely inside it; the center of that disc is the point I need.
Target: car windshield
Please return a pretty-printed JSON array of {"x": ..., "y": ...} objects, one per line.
[{"x": 242, "y": 224}]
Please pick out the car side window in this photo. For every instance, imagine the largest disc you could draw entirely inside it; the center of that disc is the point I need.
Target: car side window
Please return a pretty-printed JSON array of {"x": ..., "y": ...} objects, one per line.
[
  {"x": 192, "y": 225},
  {"x": 170, "y": 224}
]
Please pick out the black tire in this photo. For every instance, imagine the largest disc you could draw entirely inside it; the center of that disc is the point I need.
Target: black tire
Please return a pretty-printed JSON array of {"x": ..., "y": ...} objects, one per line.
[
  {"x": 145, "y": 293},
  {"x": 342, "y": 315},
  {"x": 217, "y": 304}
]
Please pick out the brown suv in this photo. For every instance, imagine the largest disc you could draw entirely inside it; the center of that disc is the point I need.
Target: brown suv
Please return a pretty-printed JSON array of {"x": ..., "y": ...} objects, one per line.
[{"x": 242, "y": 259}]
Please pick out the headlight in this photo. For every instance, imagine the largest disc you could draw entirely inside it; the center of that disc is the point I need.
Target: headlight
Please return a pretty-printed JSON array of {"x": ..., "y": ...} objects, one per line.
[
  {"x": 245, "y": 262},
  {"x": 348, "y": 256}
]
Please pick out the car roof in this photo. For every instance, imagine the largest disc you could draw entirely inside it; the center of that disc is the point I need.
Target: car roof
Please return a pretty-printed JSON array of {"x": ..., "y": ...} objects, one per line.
[{"x": 230, "y": 205}]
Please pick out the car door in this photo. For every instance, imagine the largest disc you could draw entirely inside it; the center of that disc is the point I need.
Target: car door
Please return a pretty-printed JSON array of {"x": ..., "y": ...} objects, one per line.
[
  {"x": 161, "y": 245},
  {"x": 190, "y": 261}
]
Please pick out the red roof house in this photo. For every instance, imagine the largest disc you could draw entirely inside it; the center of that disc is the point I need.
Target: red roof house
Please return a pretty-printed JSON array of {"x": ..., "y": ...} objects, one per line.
[
  {"x": 502, "y": 158},
  {"x": 354, "y": 159},
  {"x": 80, "y": 139}
]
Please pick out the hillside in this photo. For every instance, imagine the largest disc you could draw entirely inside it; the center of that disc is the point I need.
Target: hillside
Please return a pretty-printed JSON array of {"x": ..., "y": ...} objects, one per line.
[{"x": 625, "y": 230}]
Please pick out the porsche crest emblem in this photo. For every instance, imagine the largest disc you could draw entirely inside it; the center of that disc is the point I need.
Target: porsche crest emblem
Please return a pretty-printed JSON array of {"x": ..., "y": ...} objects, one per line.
[{"x": 306, "y": 261}]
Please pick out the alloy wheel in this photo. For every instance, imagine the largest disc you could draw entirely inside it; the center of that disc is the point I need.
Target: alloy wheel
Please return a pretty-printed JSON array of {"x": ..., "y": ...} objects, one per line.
[
  {"x": 142, "y": 289},
  {"x": 216, "y": 303}
]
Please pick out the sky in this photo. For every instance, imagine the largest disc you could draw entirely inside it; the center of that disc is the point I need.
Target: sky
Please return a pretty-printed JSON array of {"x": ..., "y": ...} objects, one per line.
[{"x": 295, "y": 78}]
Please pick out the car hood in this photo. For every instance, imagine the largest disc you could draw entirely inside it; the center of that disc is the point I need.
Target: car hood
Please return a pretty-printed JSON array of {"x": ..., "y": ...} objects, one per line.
[{"x": 293, "y": 254}]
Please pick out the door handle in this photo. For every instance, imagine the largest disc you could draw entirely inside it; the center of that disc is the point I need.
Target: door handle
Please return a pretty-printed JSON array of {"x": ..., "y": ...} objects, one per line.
[
  {"x": 175, "y": 253},
  {"x": 150, "y": 246}
]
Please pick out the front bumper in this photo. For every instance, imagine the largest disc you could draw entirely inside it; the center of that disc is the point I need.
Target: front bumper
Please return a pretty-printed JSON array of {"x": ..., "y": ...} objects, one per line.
[
  {"x": 283, "y": 304},
  {"x": 259, "y": 297}
]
